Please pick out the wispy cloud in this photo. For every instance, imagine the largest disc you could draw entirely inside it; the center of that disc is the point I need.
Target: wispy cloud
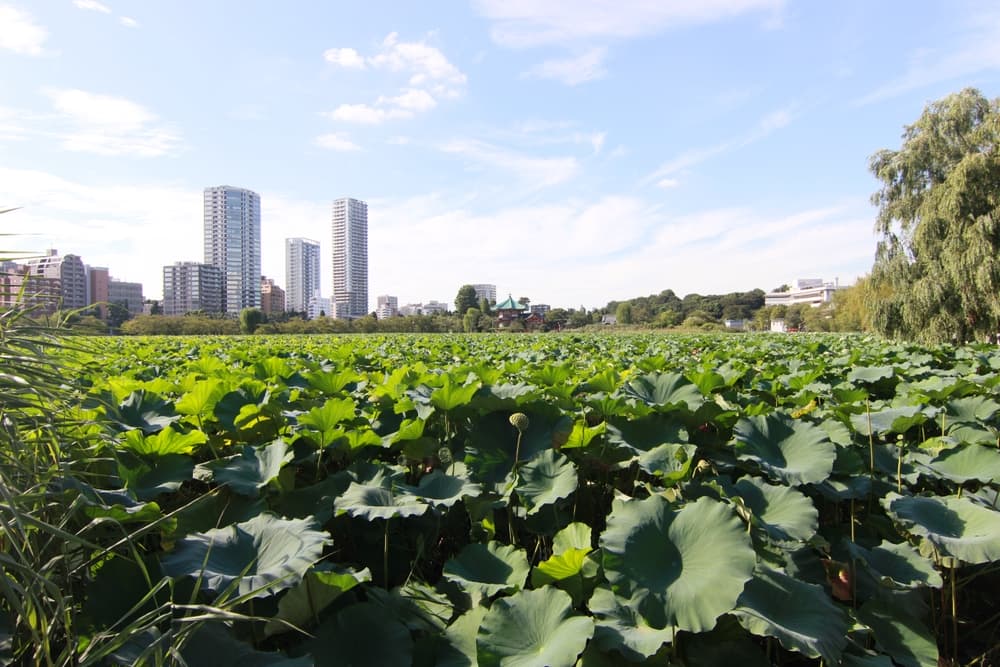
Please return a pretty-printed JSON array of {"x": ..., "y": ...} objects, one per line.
[
  {"x": 92, "y": 5},
  {"x": 572, "y": 71},
  {"x": 345, "y": 57},
  {"x": 336, "y": 141},
  {"x": 19, "y": 32},
  {"x": 366, "y": 114},
  {"x": 128, "y": 22},
  {"x": 667, "y": 183},
  {"x": 108, "y": 125},
  {"x": 976, "y": 50},
  {"x": 539, "y": 171}
]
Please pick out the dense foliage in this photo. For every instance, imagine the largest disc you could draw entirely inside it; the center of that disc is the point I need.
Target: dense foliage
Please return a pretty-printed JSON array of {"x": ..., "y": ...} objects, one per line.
[
  {"x": 937, "y": 272},
  {"x": 532, "y": 500}
]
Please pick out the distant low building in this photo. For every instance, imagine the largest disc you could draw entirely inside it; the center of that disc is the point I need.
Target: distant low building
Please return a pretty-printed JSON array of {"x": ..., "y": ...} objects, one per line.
[
  {"x": 779, "y": 326},
  {"x": 191, "y": 287},
  {"x": 126, "y": 293},
  {"x": 609, "y": 319},
  {"x": 540, "y": 309},
  {"x": 812, "y": 291},
  {"x": 20, "y": 287},
  {"x": 319, "y": 306},
  {"x": 71, "y": 273},
  {"x": 735, "y": 325},
  {"x": 272, "y": 297},
  {"x": 387, "y": 307},
  {"x": 486, "y": 291},
  {"x": 434, "y": 308},
  {"x": 410, "y": 310}
]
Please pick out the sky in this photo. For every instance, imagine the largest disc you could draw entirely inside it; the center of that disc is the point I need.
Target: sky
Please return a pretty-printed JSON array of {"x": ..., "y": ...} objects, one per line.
[{"x": 570, "y": 151}]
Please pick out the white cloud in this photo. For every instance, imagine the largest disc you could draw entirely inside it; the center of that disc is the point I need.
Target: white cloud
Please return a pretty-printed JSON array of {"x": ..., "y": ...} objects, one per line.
[
  {"x": 398, "y": 141},
  {"x": 667, "y": 183},
  {"x": 336, "y": 141},
  {"x": 412, "y": 99},
  {"x": 19, "y": 33},
  {"x": 109, "y": 125},
  {"x": 528, "y": 23},
  {"x": 92, "y": 5},
  {"x": 587, "y": 66},
  {"x": 367, "y": 115},
  {"x": 346, "y": 57},
  {"x": 423, "y": 62},
  {"x": 128, "y": 22},
  {"x": 540, "y": 172},
  {"x": 977, "y": 50}
]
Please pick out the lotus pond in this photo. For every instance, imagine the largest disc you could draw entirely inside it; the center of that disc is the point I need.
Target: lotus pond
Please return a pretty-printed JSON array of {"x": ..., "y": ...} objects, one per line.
[{"x": 554, "y": 500}]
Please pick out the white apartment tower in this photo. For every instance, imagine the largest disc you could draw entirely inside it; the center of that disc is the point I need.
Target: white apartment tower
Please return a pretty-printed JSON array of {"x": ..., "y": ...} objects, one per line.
[
  {"x": 350, "y": 258},
  {"x": 301, "y": 273},
  {"x": 232, "y": 243}
]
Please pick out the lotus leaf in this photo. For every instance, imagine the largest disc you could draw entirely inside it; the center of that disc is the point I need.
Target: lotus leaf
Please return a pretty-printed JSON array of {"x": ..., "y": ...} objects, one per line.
[
  {"x": 888, "y": 420},
  {"x": 533, "y": 628},
  {"x": 684, "y": 567},
  {"x": 200, "y": 399},
  {"x": 301, "y": 605},
  {"x": 168, "y": 441},
  {"x": 621, "y": 628},
  {"x": 671, "y": 463},
  {"x": 968, "y": 462},
  {"x": 252, "y": 470},
  {"x": 801, "y": 616},
  {"x": 328, "y": 416},
  {"x": 438, "y": 488},
  {"x": 376, "y": 500},
  {"x": 784, "y": 513},
  {"x": 898, "y": 565},
  {"x": 149, "y": 478},
  {"x": 259, "y": 556},
  {"x": 488, "y": 568},
  {"x": 460, "y": 650},
  {"x": 971, "y": 409},
  {"x": 362, "y": 635},
  {"x": 490, "y": 453},
  {"x": 213, "y": 645},
  {"x": 956, "y": 527},
  {"x": 898, "y": 634},
  {"x": 145, "y": 411},
  {"x": 792, "y": 451},
  {"x": 545, "y": 479},
  {"x": 665, "y": 391}
]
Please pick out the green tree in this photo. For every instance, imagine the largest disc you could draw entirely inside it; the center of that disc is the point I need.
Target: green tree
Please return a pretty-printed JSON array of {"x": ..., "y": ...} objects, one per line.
[
  {"x": 250, "y": 319},
  {"x": 936, "y": 275},
  {"x": 465, "y": 299},
  {"x": 470, "y": 321},
  {"x": 623, "y": 313}
]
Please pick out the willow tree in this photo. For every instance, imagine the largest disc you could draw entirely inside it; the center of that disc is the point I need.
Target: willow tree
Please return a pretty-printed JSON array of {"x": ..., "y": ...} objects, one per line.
[{"x": 937, "y": 267}]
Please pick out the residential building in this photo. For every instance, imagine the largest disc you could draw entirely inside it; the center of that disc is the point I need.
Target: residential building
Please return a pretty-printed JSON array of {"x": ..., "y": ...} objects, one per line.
[
  {"x": 272, "y": 297},
  {"x": 192, "y": 286},
  {"x": 232, "y": 243},
  {"x": 812, "y": 291},
  {"x": 69, "y": 271},
  {"x": 539, "y": 309},
  {"x": 411, "y": 310},
  {"x": 302, "y": 277},
  {"x": 350, "y": 258},
  {"x": 319, "y": 306},
  {"x": 388, "y": 306},
  {"x": 20, "y": 287},
  {"x": 127, "y": 294},
  {"x": 434, "y": 308},
  {"x": 97, "y": 289},
  {"x": 486, "y": 291}
]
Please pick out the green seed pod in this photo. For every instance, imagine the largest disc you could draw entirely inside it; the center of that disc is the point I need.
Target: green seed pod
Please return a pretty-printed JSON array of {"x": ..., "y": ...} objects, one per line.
[
  {"x": 519, "y": 420},
  {"x": 444, "y": 456}
]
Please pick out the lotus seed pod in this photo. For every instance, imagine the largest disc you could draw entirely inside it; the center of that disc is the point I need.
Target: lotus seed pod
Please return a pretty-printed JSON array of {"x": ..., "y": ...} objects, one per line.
[
  {"x": 519, "y": 420},
  {"x": 444, "y": 456}
]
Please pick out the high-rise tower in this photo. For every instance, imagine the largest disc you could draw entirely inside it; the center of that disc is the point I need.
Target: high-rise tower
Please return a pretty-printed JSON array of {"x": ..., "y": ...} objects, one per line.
[
  {"x": 301, "y": 273},
  {"x": 350, "y": 258},
  {"x": 232, "y": 243}
]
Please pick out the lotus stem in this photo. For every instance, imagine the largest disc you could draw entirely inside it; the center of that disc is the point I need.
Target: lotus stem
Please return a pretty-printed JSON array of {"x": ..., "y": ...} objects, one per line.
[
  {"x": 385, "y": 554},
  {"x": 954, "y": 612}
]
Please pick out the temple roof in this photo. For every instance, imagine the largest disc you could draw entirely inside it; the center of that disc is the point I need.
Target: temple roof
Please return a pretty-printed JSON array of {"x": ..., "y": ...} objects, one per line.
[{"x": 509, "y": 304}]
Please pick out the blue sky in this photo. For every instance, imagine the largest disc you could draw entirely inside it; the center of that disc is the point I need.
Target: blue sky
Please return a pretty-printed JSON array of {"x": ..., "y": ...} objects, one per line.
[{"x": 570, "y": 151}]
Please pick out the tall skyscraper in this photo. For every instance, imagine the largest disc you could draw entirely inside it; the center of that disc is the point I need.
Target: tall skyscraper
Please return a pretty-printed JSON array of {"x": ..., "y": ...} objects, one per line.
[
  {"x": 350, "y": 258},
  {"x": 301, "y": 273},
  {"x": 232, "y": 243}
]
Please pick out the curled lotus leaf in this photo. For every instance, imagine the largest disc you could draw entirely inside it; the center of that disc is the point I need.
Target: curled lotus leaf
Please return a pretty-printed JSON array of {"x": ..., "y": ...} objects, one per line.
[
  {"x": 954, "y": 527},
  {"x": 786, "y": 449},
  {"x": 681, "y": 567},
  {"x": 258, "y": 557},
  {"x": 488, "y": 568},
  {"x": 547, "y": 478},
  {"x": 621, "y": 628},
  {"x": 968, "y": 462},
  {"x": 377, "y": 500},
  {"x": 784, "y": 513},
  {"x": 897, "y": 565},
  {"x": 665, "y": 391}
]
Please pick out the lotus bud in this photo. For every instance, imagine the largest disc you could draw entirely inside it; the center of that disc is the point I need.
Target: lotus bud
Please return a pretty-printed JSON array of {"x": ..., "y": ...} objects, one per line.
[{"x": 519, "y": 420}]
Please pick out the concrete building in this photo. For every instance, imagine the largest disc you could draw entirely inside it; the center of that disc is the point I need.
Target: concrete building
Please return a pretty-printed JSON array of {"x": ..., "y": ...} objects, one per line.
[
  {"x": 539, "y": 309},
  {"x": 812, "y": 291},
  {"x": 69, "y": 271},
  {"x": 388, "y": 306},
  {"x": 434, "y": 308},
  {"x": 319, "y": 306},
  {"x": 411, "y": 310},
  {"x": 232, "y": 243},
  {"x": 302, "y": 277},
  {"x": 191, "y": 286},
  {"x": 486, "y": 291},
  {"x": 127, "y": 294},
  {"x": 97, "y": 289},
  {"x": 21, "y": 288},
  {"x": 350, "y": 258},
  {"x": 272, "y": 297}
]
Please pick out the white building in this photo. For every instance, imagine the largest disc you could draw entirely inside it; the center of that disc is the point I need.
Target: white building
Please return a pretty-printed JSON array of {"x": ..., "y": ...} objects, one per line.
[
  {"x": 69, "y": 271},
  {"x": 319, "y": 306},
  {"x": 434, "y": 308},
  {"x": 486, "y": 291},
  {"x": 232, "y": 243},
  {"x": 350, "y": 257},
  {"x": 190, "y": 287},
  {"x": 302, "y": 277},
  {"x": 388, "y": 306},
  {"x": 813, "y": 291},
  {"x": 410, "y": 310}
]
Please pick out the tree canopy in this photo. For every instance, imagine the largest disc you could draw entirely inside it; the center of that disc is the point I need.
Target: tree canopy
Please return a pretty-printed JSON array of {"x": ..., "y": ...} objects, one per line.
[
  {"x": 465, "y": 299},
  {"x": 936, "y": 275}
]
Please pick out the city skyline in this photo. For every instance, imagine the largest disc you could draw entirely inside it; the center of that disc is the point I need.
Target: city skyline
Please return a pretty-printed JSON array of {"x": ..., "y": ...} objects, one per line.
[
  {"x": 573, "y": 153},
  {"x": 232, "y": 243}
]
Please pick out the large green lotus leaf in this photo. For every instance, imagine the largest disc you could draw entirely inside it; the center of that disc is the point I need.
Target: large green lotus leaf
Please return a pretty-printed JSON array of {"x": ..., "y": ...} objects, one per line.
[
  {"x": 488, "y": 568},
  {"x": 870, "y": 374},
  {"x": 801, "y": 616},
  {"x": 971, "y": 409},
  {"x": 671, "y": 463},
  {"x": 332, "y": 383},
  {"x": 300, "y": 606},
  {"x": 493, "y": 443},
  {"x": 888, "y": 420},
  {"x": 452, "y": 395},
  {"x": 325, "y": 418},
  {"x": 249, "y": 472},
  {"x": 460, "y": 649},
  {"x": 784, "y": 513},
  {"x": 439, "y": 488},
  {"x": 145, "y": 411},
  {"x": 786, "y": 449},
  {"x": 978, "y": 433},
  {"x": 897, "y": 565},
  {"x": 900, "y": 635},
  {"x": 166, "y": 442},
  {"x": 666, "y": 391},
  {"x": 621, "y": 628},
  {"x": 574, "y": 571},
  {"x": 213, "y": 645},
  {"x": 685, "y": 567},
  {"x": 261, "y": 556},
  {"x": 228, "y": 408},
  {"x": 954, "y": 526},
  {"x": 200, "y": 399},
  {"x": 154, "y": 476},
  {"x": 362, "y": 635},
  {"x": 545, "y": 479},
  {"x": 377, "y": 500},
  {"x": 968, "y": 462},
  {"x": 646, "y": 433},
  {"x": 866, "y": 660},
  {"x": 576, "y": 535},
  {"x": 533, "y": 629},
  {"x": 582, "y": 435}
]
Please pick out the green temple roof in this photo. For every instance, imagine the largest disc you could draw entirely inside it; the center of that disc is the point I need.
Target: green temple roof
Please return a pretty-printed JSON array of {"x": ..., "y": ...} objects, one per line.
[{"x": 509, "y": 304}]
